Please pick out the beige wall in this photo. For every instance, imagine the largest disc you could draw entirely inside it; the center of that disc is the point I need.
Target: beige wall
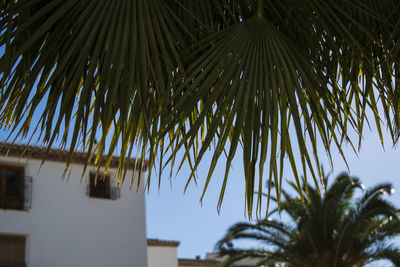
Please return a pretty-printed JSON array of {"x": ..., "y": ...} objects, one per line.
[{"x": 162, "y": 256}]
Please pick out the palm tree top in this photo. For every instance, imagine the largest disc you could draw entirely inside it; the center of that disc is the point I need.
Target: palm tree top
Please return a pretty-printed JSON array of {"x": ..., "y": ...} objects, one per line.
[{"x": 331, "y": 229}]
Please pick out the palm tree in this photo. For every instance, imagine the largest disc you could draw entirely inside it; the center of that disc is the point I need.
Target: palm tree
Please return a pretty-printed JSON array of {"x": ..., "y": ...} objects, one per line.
[
  {"x": 167, "y": 79},
  {"x": 329, "y": 229}
]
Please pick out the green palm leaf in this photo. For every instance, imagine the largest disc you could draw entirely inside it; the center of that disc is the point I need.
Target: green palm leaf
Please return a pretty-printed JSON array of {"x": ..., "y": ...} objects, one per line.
[
  {"x": 96, "y": 64},
  {"x": 333, "y": 229},
  {"x": 168, "y": 79}
]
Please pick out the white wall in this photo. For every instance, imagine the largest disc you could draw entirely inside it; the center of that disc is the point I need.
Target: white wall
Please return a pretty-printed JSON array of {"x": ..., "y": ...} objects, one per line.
[
  {"x": 65, "y": 227},
  {"x": 162, "y": 256}
]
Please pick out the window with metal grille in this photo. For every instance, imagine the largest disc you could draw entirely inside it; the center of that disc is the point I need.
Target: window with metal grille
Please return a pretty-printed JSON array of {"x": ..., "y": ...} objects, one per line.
[
  {"x": 12, "y": 250},
  {"x": 12, "y": 187},
  {"x": 99, "y": 185}
]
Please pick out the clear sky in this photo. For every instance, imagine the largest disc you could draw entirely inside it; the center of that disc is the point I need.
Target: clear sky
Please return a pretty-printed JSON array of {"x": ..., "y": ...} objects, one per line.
[{"x": 174, "y": 216}]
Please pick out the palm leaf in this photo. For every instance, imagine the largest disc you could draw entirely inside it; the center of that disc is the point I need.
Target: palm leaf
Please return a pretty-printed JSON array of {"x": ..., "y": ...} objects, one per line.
[
  {"x": 168, "y": 76},
  {"x": 333, "y": 229},
  {"x": 92, "y": 74}
]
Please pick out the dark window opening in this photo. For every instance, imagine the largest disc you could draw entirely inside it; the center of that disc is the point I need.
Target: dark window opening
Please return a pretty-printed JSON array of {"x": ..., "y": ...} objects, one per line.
[
  {"x": 99, "y": 185},
  {"x": 12, "y": 250},
  {"x": 11, "y": 187}
]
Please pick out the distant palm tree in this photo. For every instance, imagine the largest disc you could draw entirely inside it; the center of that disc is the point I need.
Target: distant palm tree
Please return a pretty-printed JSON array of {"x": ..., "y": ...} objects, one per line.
[
  {"x": 168, "y": 79},
  {"x": 332, "y": 229}
]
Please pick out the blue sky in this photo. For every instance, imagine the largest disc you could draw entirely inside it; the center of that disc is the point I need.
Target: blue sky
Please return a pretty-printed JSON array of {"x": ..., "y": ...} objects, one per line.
[{"x": 174, "y": 216}]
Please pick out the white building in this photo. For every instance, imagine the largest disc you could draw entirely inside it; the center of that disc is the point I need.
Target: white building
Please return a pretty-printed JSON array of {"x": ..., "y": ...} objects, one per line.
[
  {"x": 163, "y": 253},
  {"x": 45, "y": 222}
]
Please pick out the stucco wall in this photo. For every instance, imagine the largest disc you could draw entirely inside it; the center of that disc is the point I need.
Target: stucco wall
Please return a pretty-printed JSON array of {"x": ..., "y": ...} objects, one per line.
[
  {"x": 162, "y": 256},
  {"x": 65, "y": 227}
]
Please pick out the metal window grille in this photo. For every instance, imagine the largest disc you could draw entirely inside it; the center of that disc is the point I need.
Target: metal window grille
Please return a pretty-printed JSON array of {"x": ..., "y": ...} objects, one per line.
[
  {"x": 12, "y": 250},
  {"x": 17, "y": 194},
  {"x": 115, "y": 192},
  {"x": 28, "y": 193}
]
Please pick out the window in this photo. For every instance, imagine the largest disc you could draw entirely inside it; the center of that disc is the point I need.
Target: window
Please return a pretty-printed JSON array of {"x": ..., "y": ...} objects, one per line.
[
  {"x": 12, "y": 250},
  {"x": 11, "y": 187},
  {"x": 100, "y": 187}
]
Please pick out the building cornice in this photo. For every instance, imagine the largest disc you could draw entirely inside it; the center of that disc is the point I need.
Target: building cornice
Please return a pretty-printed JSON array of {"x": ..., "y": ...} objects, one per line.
[
  {"x": 197, "y": 262},
  {"x": 205, "y": 262},
  {"x": 162, "y": 243},
  {"x": 60, "y": 155}
]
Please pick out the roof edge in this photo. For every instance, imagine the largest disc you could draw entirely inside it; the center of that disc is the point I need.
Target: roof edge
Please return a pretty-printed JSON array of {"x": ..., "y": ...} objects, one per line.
[
  {"x": 162, "y": 243},
  {"x": 61, "y": 155},
  {"x": 197, "y": 262}
]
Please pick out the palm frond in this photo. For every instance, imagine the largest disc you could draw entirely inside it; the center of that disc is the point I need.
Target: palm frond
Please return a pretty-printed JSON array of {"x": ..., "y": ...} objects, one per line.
[
  {"x": 333, "y": 231},
  {"x": 388, "y": 253},
  {"x": 168, "y": 79},
  {"x": 92, "y": 74}
]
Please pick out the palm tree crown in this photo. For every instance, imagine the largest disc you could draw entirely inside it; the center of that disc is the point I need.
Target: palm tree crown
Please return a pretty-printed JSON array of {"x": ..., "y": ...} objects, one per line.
[
  {"x": 168, "y": 79},
  {"x": 332, "y": 229}
]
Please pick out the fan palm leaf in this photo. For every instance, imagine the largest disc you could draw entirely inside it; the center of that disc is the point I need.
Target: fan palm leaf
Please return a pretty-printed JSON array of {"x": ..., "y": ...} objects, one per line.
[
  {"x": 117, "y": 66},
  {"x": 169, "y": 79}
]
